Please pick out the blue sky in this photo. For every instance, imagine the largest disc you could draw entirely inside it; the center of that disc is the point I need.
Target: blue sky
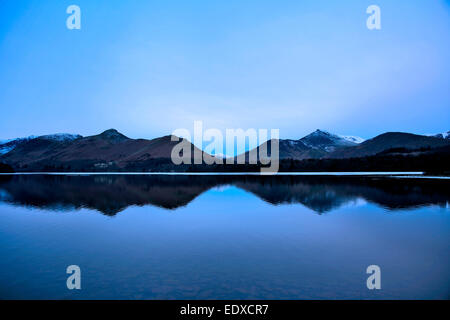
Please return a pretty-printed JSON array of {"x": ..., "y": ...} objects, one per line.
[{"x": 149, "y": 67}]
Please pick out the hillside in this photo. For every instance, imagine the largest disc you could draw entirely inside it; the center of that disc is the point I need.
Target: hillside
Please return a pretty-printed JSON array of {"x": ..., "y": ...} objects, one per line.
[
  {"x": 107, "y": 151},
  {"x": 389, "y": 141}
]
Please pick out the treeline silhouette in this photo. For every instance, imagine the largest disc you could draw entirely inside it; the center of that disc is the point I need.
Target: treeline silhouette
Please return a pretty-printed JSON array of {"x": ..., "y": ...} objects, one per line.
[
  {"x": 5, "y": 168},
  {"x": 433, "y": 162}
]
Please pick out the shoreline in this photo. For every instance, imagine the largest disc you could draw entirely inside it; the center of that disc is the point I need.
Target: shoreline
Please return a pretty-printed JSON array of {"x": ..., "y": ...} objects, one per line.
[{"x": 396, "y": 174}]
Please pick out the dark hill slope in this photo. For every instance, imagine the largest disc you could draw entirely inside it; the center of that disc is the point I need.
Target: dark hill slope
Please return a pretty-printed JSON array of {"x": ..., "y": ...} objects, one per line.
[
  {"x": 109, "y": 150},
  {"x": 387, "y": 141}
]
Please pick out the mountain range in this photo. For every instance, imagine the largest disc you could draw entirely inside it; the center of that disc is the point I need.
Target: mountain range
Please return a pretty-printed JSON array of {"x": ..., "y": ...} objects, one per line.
[
  {"x": 324, "y": 145},
  {"x": 113, "y": 151}
]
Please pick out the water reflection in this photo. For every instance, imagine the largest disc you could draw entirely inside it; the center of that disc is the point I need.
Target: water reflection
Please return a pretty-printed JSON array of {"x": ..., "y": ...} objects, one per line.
[{"x": 110, "y": 194}]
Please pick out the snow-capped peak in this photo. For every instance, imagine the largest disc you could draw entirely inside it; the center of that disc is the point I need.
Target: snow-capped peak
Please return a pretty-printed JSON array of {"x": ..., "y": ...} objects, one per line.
[
  {"x": 353, "y": 139},
  {"x": 326, "y": 141},
  {"x": 61, "y": 137},
  {"x": 10, "y": 144},
  {"x": 443, "y": 135},
  {"x": 2, "y": 142},
  {"x": 319, "y": 134}
]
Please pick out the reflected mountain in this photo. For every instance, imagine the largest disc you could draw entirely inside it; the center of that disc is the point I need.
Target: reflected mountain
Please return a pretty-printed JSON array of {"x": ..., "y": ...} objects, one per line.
[
  {"x": 326, "y": 193},
  {"x": 110, "y": 194}
]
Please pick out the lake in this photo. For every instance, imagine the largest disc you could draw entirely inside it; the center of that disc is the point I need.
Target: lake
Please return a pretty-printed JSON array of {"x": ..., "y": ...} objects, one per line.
[{"x": 224, "y": 237}]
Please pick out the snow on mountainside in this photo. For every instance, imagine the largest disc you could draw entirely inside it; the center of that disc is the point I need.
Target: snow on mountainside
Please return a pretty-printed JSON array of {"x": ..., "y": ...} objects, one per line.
[
  {"x": 5, "y": 149},
  {"x": 353, "y": 139},
  {"x": 61, "y": 137},
  {"x": 315, "y": 145},
  {"x": 326, "y": 141},
  {"x": 391, "y": 141},
  {"x": 444, "y": 135},
  {"x": 8, "y": 145},
  {"x": 109, "y": 150}
]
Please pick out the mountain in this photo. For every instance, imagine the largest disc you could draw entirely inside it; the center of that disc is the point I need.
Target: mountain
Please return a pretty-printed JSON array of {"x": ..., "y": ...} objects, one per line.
[
  {"x": 298, "y": 149},
  {"x": 288, "y": 149},
  {"x": 313, "y": 146},
  {"x": 390, "y": 141},
  {"x": 326, "y": 141},
  {"x": 353, "y": 139},
  {"x": 444, "y": 135},
  {"x": 8, "y": 145},
  {"x": 107, "y": 151},
  {"x": 61, "y": 137}
]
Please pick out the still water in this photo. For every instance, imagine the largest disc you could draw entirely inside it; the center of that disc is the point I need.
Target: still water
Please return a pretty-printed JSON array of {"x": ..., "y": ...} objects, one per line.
[{"x": 223, "y": 237}]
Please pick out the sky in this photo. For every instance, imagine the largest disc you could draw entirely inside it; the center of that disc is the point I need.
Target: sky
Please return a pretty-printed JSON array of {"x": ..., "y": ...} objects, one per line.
[{"x": 147, "y": 68}]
